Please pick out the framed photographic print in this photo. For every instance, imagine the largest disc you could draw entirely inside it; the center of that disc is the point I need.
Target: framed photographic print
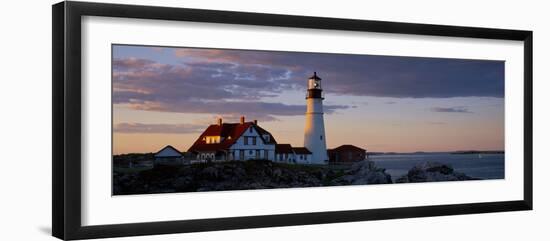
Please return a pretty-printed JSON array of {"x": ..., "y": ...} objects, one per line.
[{"x": 169, "y": 120}]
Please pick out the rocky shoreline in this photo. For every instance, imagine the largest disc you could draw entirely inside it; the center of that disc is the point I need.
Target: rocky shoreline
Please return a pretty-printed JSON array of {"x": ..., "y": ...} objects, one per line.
[
  {"x": 260, "y": 174},
  {"x": 433, "y": 172}
]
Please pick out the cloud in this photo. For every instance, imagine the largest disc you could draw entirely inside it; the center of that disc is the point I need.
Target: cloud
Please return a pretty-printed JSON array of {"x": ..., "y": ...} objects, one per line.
[
  {"x": 436, "y": 123},
  {"x": 237, "y": 82},
  {"x": 131, "y": 63},
  {"x": 271, "y": 58},
  {"x": 457, "y": 109},
  {"x": 157, "y": 128},
  {"x": 263, "y": 111},
  {"x": 370, "y": 75},
  {"x": 140, "y": 78},
  {"x": 202, "y": 87}
]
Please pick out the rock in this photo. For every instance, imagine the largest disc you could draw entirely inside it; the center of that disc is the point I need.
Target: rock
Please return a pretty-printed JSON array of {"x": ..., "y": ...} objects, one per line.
[
  {"x": 203, "y": 189},
  {"x": 443, "y": 169},
  {"x": 373, "y": 178},
  {"x": 277, "y": 173},
  {"x": 211, "y": 172},
  {"x": 433, "y": 172},
  {"x": 182, "y": 182},
  {"x": 364, "y": 172},
  {"x": 239, "y": 175}
]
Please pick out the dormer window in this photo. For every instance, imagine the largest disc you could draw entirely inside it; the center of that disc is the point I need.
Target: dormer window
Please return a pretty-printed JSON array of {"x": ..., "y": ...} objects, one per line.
[
  {"x": 212, "y": 139},
  {"x": 266, "y": 138}
]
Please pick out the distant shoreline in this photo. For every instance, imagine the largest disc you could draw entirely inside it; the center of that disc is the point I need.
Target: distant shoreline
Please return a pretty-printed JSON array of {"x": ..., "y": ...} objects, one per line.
[
  {"x": 476, "y": 152},
  {"x": 467, "y": 152}
]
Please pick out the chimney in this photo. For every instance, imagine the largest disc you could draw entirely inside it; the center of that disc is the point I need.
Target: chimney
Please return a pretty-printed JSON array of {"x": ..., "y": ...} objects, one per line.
[
  {"x": 220, "y": 121},
  {"x": 242, "y": 120},
  {"x": 256, "y": 122}
]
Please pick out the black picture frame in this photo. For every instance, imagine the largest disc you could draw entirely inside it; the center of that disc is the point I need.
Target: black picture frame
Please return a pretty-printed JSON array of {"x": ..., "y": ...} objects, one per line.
[{"x": 66, "y": 75}]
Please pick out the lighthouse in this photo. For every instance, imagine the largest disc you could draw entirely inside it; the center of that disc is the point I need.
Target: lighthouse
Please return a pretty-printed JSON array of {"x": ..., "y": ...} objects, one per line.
[{"x": 314, "y": 135}]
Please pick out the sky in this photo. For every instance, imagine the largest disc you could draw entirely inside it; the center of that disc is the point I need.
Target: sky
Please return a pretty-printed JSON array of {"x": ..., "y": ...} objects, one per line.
[{"x": 169, "y": 95}]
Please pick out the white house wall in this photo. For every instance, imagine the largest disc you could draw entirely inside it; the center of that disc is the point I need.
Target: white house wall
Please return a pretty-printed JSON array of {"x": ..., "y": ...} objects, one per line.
[
  {"x": 250, "y": 150},
  {"x": 290, "y": 157},
  {"x": 307, "y": 159},
  {"x": 293, "y": 158}
]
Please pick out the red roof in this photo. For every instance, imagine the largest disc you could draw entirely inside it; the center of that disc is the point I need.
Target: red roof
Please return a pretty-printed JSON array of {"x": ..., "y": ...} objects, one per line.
[
  {"x": 263, "y": 132},
  {"x": 347, "y": 148},
  {"x": 283, "y": 148},
  {"x": 229, "y": 132},
  {"x": 301, "y": 150}
]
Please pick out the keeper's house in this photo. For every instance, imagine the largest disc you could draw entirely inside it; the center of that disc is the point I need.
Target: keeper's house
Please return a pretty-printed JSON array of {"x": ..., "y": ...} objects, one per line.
[
  {"x": 234, "y": 141},
  {"x": 241, "y": 141}
]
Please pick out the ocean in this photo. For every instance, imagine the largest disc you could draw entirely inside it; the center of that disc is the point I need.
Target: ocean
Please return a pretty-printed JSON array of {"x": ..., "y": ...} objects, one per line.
[{"x": 485, "y": 166}]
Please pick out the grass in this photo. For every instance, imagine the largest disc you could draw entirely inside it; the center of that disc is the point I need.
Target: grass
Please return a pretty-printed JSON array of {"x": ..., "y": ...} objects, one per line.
[
  {"x": 130, "y": 169},
  {"x": 343, "y": 166}
]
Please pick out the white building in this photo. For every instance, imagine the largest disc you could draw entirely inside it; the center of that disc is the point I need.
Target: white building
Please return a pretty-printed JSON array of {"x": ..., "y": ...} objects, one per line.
[
  {"x": 302, "y": 155},
  {"x": 168, "y": 156},
  {"x": 288, "y": 154},
  {"x": 284, "y": 153},
  {"x": 314, "y": 135}
]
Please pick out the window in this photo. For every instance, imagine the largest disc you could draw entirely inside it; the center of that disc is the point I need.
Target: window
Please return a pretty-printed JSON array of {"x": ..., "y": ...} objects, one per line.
[
  {"x": 250, "y": 130},
  {"x": 266, "y": 154},
  {"x": 254, "y": 141},
  {"x": 250, "y": 152},
  {"x": 246, "y": 140},
  {"x": 301, "y": 157},
  {"x": 212, "y": 139},
  {"x": 321, "y": 137}
]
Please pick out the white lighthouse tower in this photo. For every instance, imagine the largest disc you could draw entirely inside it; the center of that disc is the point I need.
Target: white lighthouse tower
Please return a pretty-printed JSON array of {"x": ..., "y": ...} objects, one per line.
[{"x": 314, "y": 138}]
